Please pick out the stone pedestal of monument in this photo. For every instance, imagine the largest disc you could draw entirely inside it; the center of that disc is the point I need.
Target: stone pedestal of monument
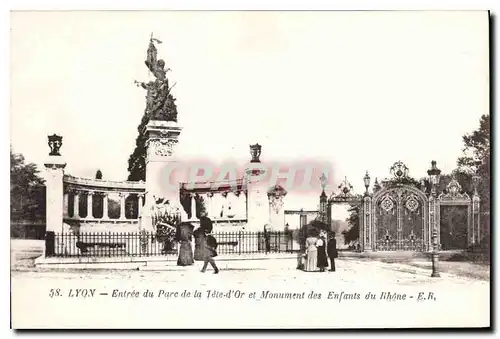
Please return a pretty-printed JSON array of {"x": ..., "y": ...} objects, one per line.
[
  {"x": 276, "y": 208},
  {"x": 163, "y": 172}
]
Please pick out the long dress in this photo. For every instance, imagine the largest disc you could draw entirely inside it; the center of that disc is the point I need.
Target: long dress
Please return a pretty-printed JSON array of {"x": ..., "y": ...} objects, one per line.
[
  {"x": 310, "y": 264},
  {"x": 199, "y": 245},
  {"x": 184, "y": 237},
  {"x": 322, "y": 260},
  {"x": 185, "y": 254}
]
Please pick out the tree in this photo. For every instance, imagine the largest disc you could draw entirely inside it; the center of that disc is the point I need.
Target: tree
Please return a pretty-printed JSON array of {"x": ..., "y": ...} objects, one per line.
[
  {"x": 352, "y": 233},
  {"x": 477, "y": 146},
  {"x": 27, "y": 190},
  {"x": 137, "y": 160},
  {"x": 476, "y": 158}
]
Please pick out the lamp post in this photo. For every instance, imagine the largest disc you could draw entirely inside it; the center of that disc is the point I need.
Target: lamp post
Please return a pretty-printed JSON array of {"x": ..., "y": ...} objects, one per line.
[
  {"x": 434, "y": 176},
  {"x": 366, "y": 179}
]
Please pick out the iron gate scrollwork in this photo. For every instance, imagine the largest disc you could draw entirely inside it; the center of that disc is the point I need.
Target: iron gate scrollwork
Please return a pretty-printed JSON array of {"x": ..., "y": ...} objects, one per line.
[
  {"x": 455, "y": 197},
  {"x": 400, "y": 214},
  {"x": 400, "y": 219},
  {"x": 344, "y": 196}
]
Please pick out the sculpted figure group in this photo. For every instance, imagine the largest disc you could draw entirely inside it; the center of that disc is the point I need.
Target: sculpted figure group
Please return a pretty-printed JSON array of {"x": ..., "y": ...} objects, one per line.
[{"x": 160, "y": 104}]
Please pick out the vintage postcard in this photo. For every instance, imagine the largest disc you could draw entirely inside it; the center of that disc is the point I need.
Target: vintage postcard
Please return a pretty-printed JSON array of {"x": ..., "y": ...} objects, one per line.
[{"x": 250, "y": 169}]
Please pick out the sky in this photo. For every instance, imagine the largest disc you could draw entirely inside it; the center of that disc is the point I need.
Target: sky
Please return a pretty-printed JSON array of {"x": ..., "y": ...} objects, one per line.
[{"x": 359, "y": 89}]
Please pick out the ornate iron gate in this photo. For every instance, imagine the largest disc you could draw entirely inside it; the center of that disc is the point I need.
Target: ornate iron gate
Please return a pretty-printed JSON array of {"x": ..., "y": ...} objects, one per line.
[
  {"x": 400, "y": 220},
  {"x": 400, "y": 214}
]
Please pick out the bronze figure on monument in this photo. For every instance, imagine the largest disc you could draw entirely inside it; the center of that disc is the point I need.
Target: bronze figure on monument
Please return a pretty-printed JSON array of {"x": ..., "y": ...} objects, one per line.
[{"x": 159, "y": 101}]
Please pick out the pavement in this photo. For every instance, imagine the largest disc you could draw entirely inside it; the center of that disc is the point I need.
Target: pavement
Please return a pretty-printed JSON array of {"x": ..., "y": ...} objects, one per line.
[{"x": 164, "y": 295}]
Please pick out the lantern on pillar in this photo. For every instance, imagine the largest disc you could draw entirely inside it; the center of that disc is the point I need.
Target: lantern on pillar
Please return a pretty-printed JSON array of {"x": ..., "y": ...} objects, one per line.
[
  {"x": 55, "y": 143},
  {"x": 366, "y": 179},
  {"x": 255, "y": 151},
  {"x": 434, "y": 175}
]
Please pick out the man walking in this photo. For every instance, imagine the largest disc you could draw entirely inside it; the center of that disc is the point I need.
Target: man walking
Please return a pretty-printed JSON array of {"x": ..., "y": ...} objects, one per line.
[
  {"x": 332, "y": 251},
  {"x": 210, "y": 251}
]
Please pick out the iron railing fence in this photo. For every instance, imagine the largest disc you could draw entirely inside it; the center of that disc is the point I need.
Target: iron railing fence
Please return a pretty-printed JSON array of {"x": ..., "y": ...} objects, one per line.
[{"x": 150, "y": 244}]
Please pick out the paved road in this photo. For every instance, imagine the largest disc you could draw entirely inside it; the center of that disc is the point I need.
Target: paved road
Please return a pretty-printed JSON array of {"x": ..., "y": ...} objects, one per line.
[{"x": 454, "y": 300}]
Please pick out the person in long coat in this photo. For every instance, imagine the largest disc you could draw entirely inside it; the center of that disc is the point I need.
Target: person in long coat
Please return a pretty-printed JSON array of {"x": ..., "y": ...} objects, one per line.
[
  {"x": 210, "y": 246},
  {"x": 184, "y": 237},
  {"x": 206, "y": 226},
  {"x": 332, "y": 251},
  {"x": 321, "y": 248}
]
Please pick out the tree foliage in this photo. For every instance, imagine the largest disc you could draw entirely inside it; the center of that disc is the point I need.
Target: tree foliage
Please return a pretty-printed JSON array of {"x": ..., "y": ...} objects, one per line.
[
  {"x": 352, "y": 234},
  {"x": 476, "y": 158},
  {"x": 137, "y": 160},
  {"x": 477, "y": 146},
  {"x": 27, "y": 190}
]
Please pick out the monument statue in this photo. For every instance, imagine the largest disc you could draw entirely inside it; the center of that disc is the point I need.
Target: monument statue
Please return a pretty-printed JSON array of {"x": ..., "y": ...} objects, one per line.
[{"x": 159, "y": 102}]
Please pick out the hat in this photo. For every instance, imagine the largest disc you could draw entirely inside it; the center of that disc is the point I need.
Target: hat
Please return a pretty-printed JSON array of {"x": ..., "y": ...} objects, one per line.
[{"x": 206, "y": 224}]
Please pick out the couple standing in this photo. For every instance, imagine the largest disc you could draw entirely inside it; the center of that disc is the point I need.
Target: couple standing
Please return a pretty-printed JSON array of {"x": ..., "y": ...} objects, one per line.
[
  {"x": 205, "y": 245},
  {"x": 317, "y": 250}
]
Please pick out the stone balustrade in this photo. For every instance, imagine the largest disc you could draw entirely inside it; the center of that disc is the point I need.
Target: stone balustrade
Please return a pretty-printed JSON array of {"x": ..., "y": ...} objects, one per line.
[
  {"x": 224, "y": 202},
  {"x": 88, "y": 200}
]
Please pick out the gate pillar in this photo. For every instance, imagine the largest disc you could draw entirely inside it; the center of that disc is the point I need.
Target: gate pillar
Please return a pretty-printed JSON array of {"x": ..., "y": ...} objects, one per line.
[
  {"x": 476, "y": 225},
  {"x": 54, "y": 166},
  {"x": 434, "y": 223},
  {"x": 257, "y": 200},
  {"x": 367, "y": 224}
]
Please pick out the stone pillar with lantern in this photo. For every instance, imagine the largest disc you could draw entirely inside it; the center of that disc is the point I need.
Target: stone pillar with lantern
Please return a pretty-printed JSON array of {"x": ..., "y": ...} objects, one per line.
[
  {"x": 434, "y": 176},
  {"x": 323, "y": 202},
  {"x": 476, "y": 225},
  {"x": 257, "y": 204},
  {"x": 54, "y": 166},
  {"x": 365, "y": 229}
]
